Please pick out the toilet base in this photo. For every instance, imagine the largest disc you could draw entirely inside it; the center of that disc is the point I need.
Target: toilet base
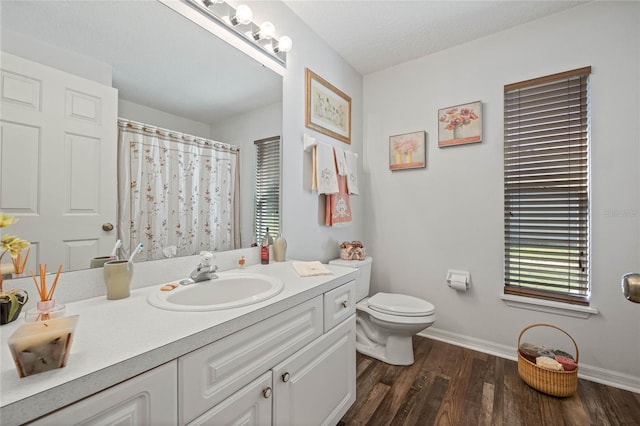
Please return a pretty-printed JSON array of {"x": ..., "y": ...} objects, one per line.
[{"x": 397, "y": 351}]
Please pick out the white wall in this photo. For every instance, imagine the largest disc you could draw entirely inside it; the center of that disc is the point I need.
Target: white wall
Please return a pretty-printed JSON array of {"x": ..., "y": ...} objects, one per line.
[
  {"x": 243, "y": 130},
  {"x": 55, "y": 57},
  {"x": 449, "y": 215},
  {"x": 144, "y": 114},
  {"x": 307, "y": 238}
]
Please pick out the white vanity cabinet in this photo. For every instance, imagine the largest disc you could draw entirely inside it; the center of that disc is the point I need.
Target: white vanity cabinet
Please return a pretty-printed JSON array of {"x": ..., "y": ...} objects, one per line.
[
  {"x": 148, "y": 399},
  {"x": 294, "y": 367},
  {"x": 210, "y": 374},
  {"x": 304, "y": 375}
]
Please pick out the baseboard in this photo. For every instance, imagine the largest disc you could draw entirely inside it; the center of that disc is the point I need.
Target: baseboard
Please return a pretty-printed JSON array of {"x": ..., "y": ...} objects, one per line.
[{"x": 587, "y": 372}]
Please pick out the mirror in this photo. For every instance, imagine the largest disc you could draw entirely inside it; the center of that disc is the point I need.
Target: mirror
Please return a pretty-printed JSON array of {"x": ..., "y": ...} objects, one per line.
[{"x": 168, "y": 71}]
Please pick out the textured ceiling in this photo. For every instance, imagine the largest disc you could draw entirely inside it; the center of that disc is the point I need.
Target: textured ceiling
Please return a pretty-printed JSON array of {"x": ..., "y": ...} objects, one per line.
[{"x": 372, "y": 35}]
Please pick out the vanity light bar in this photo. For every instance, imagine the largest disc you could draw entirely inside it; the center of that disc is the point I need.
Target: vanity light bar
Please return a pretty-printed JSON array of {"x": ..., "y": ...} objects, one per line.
[{"x": 239, "y": 22}]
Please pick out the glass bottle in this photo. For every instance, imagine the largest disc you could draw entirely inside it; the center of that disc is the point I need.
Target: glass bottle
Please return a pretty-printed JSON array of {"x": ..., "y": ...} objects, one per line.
[
  {"x": 280, "y": 249},
  {"x": 264, "y": 249}
]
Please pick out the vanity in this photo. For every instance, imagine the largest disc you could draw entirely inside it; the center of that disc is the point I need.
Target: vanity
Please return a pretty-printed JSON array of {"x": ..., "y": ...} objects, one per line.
[{"x": 286, "y": 360}]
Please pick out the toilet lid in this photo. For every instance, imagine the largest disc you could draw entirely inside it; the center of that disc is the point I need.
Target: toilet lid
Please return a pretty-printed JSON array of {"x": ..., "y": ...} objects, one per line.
[{"x": 400, "y": 304}]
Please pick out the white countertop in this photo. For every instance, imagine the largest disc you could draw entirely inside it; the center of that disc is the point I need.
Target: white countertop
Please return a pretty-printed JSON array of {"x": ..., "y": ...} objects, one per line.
[{"x": 118, "y": 339}]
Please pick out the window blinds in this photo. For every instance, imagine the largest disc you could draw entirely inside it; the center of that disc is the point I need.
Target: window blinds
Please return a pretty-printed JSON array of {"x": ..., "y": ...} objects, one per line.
[
  {"x": 546, "y": 187},
  {"x": 267, "y": 188}
]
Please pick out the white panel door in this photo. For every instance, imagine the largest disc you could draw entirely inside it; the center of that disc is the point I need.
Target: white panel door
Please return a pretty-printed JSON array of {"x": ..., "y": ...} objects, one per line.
[
  {"x": 58, "y": 162},
  {"x": 317, "y": 385}
]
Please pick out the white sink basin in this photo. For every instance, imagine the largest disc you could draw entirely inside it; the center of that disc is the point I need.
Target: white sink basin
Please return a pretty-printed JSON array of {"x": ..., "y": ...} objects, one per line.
[{"x": 231, "y": 290}]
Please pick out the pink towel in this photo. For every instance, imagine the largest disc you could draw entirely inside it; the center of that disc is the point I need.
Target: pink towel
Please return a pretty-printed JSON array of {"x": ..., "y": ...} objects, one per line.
[{"x": 338, "y": 206}]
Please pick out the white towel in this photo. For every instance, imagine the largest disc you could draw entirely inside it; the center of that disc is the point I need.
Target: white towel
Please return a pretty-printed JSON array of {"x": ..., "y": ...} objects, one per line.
[
  {"x": 311, "y": 269},
  {"x": 341, "y": 161},
  {"x": 325, "y": 175},
  {"x": 352, "y": 172},
  {"x": 308, "y": 142}
]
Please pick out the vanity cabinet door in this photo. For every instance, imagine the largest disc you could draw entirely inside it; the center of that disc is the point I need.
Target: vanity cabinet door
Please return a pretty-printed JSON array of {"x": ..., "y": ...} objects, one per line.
[
  {"x": 317, "y": 385},
  {"x": 148, "y": 399},
  {"x": 250, "y": 406}
]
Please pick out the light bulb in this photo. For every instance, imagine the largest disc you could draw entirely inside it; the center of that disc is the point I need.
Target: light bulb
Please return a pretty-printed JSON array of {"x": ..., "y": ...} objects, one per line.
[
  {"x": 244, "y": 15},
  {"x": 267, "y": 30},
  {"x": 284, "y": 44}
]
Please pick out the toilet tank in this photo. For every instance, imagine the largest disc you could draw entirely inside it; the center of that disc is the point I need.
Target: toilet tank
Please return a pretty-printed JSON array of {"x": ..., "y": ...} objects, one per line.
[{"x": 364, "y": 280}]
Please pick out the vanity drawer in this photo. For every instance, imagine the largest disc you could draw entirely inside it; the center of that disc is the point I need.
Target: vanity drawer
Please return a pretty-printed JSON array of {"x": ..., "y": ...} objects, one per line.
[
  {"x": 339, "y": 303},
  {"x": 209, "y": 375}
]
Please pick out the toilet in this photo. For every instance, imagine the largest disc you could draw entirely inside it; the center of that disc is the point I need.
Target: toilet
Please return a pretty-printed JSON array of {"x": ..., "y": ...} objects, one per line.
[{"x": 386, "y": 322}]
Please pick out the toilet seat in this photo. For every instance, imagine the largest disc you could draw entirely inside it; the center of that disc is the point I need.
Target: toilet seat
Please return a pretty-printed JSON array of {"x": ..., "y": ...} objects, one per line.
[{"x": 400, "y": 305}]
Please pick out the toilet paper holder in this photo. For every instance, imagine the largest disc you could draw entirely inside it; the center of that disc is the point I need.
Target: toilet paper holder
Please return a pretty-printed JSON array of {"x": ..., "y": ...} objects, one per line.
[{"x": 458, "y": 280}]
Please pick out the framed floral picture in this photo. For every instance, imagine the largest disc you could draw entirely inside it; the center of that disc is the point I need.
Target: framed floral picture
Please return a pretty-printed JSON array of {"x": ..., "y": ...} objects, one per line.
[
  {"x": 328, "y": 110},
  {"x": 408, "y": 151},
  {"x": 460, "y": 124}
]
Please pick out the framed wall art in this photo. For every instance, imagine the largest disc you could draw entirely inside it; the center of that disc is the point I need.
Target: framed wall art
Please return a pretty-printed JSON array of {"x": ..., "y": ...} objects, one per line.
[
  {"x": 328, "y": 110},
  {"x": 460, "y": 124},
  {"x": 408, "y": 151}
]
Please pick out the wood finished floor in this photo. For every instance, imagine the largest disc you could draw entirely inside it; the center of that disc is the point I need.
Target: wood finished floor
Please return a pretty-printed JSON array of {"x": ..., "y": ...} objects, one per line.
[{"x": 451, "y": 385}]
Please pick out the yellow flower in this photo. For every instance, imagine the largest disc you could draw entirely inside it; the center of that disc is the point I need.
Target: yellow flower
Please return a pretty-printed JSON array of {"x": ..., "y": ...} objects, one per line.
[
  {"x": 6, "y": 220},
  {"x": 12, "y": 244}
]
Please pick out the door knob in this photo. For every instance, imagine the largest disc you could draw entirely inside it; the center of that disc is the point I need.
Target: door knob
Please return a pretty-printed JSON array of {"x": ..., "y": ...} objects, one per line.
[
  {"x": 107, "y": 226},
  {"x": 266, "y": 392},
  {"x": 631, "y": 287},
  {"x": 285, "y": 377}
]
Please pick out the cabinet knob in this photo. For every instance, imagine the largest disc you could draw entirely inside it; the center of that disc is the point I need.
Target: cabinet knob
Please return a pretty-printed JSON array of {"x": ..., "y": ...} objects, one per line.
[
  {"x": 345, "y": 304},
  {"x": 107, "y": 226},
  {"x": 285, "y": 377},
  {"x": 266, "y": 392}
]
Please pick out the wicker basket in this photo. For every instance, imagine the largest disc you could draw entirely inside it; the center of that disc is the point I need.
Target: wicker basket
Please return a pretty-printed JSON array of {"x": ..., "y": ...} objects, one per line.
[{"x": 555, "y": 383}]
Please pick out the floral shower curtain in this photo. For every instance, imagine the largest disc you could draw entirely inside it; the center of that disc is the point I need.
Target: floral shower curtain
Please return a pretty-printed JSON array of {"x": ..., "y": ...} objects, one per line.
[{"x": 177, "y": 194}]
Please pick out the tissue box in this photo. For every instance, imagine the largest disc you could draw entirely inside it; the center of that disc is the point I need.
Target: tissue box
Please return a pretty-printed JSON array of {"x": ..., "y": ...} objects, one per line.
[
  {"x": 352, "y": 250},
  {"x": 42, "y": 346}
]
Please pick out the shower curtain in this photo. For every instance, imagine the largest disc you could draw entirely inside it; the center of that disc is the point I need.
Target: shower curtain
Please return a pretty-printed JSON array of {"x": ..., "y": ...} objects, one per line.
[{"x": 177, "y": 194}]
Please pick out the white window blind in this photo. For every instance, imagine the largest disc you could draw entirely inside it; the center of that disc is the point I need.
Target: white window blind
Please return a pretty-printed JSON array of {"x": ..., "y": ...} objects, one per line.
[
  {"x": 546, "y": 187},
  {"x": 267, "y": 187}
]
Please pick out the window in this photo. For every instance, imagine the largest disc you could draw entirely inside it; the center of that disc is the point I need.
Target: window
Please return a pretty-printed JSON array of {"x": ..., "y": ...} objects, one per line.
[
  {"x": 267, "y": 187},
  {"x": 546, "y": 187}
]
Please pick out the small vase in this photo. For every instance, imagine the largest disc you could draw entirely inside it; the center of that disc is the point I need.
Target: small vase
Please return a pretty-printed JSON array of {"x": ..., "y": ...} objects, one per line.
[
  {"x": 409, "y": 158},
  {"x": 117, "y": 278},
  {"x": 457, "y": 132},
  {"x": 45, "y": 310},
  {"x": 398, "y": 156}
]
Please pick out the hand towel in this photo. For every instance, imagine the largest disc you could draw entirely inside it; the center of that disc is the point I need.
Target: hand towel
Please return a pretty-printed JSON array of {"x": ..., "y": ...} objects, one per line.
[
  {"x": 341, "y": 162},
  {"x": 351, "y": 159},
  {"x": 308, "y": 142},
  {"x": 311, "y": 269},
  {"x": 338, "y": 206},
  {"x": 326, "y": 177}
]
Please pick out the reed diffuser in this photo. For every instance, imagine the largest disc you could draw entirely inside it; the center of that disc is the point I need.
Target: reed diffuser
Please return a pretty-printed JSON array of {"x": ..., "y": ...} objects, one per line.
[
  {"x": 46, "y": 308},
  {"x": 19, "y": 263}
]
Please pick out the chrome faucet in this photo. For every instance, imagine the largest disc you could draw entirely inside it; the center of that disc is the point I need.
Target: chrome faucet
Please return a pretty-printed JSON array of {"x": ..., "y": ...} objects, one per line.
[{"x": 205, "y": 271}]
